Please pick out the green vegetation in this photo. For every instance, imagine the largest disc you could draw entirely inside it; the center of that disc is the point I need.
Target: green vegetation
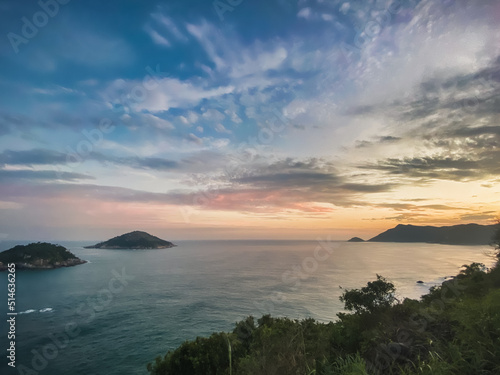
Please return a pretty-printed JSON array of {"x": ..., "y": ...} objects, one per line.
[
  {"x": 38, "y": 255},
  {"x": 133, "y": 240},
  {"x": 454, "y": 329}
]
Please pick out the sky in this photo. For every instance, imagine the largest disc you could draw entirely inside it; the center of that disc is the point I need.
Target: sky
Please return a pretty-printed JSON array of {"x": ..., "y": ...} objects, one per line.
[{"x": 239, "y": 119}]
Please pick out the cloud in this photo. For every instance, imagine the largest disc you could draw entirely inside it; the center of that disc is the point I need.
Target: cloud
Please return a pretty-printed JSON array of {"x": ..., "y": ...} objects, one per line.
[
  {"x": 170, "y": 26},
  {"x": 286, "y": 185},
  {"x": 42, "y": 175},
  {"x": 157, "y": 38},
  {"x": 238, "y": 62},
  {"x": 29, "y": 158},
  {"x": 490, "y": 215},
  {"x": 445, "y": 130},
  {"x": 344, "y": 8},
  {"x": 430, "y": 167},
  {"x": 12, "y": 122},
  {"x": 219, "y": 128},
  {"x": 32, "y": 157},
  {"x": 213, "y": 115},
  {"x": 305, "y": 13},
  {"x": 413, "y": 207},
  {"x": 367, "y": 188},
  {"x": 193, "y": 138},
  {"x": 169, "y": 93}
]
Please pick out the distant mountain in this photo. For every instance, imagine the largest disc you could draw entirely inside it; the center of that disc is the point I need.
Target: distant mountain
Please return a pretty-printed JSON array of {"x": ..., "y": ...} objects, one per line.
[
  {"x": 356, "y": 239},
  {"x": 133, "y": 240},
  {"x": 41, "y": 255},
  {"x": 465, "y": 234}
]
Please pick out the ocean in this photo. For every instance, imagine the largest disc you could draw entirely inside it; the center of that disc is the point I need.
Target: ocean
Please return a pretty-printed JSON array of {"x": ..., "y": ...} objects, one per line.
[{"x": 118, "y": 312}]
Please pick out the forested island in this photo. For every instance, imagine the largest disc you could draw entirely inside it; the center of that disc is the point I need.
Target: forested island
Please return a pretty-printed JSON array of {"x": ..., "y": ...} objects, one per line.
[
  {"x": 40, "y": 255},
  {"x": 133, "y": 240},
  {"x": 463, "y": 234},
  {"x": 454, "y": 329}
]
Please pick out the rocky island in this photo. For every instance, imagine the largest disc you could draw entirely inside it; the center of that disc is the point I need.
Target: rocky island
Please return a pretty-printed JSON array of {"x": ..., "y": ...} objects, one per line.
[
  {"x": 356, "y": 239},
  {"x": 40, "y": 255},
  {"x": 133, "y": 240}
]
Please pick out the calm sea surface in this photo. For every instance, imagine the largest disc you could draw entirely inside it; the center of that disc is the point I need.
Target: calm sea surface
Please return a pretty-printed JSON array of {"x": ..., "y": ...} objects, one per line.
[{"x": 125, "y": 307}]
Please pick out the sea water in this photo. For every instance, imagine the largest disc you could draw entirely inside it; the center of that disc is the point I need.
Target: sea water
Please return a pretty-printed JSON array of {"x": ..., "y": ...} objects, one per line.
[{"x": 123, "y": 308}]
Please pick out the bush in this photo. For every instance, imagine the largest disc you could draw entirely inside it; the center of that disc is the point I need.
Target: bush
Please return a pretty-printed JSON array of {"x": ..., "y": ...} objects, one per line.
[{"x": 378, "y": 294}]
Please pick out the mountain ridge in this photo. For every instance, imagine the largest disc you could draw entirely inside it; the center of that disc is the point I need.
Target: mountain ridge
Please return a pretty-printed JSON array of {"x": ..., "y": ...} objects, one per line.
[{"x": 461, "y": 234}]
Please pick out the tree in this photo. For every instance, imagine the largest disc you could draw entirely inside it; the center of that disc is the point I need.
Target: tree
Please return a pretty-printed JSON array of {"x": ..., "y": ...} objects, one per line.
[{"x": 376, "y": 295}]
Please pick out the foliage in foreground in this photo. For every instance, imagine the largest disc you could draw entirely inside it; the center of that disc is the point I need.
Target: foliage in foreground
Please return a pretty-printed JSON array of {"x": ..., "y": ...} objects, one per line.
[{"x": 455, "y": 329}]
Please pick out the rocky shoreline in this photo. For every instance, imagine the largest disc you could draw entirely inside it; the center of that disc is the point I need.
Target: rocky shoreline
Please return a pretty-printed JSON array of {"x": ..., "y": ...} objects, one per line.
[
  {"x": 38, "y": 256},
  {"x": 42, "y": 264}
]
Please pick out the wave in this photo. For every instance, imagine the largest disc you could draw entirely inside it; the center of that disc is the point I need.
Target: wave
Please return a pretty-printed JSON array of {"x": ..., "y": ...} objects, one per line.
[
  {"x": 44, "y": 310},
  {"x": 27, "y": 312}
]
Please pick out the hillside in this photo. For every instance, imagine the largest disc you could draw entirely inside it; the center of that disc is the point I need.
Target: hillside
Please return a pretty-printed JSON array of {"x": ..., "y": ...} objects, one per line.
[
  {"x": 454, "y": 329},
  {"x": 41, "y": 255},
  {"x": 133, "y": 240},
  {"x": 466, "y": 234}
]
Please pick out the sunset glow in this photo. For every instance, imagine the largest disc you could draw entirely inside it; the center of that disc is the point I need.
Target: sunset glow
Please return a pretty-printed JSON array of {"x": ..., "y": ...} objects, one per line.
[{"x": 281, "y": 120}]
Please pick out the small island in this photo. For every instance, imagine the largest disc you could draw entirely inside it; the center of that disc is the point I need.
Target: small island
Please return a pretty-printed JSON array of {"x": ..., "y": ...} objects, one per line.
[
  {"x": 356, "y": 239},
  {"x": 38, "y": 256},
  {"x": 133, "y": 240}
]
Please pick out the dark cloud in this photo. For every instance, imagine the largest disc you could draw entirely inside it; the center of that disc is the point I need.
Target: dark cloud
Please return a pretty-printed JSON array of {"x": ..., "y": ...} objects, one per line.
[
  {"x": 50, "y": 157},
  {"x": 477, "y": 93},
  {"x": 479, "y": 216},
  {"x": 10, "y": 122},
  {"x": 463, "y": 99},
  {"x": 477, "y": 131},
  {"x": 32, "y": 157},
  {"x": 158, "y": 164},
  {"x": 288, "y": 184},
  {"x": 414, "y": 207},
  {"x": 289, "y": 174},
  {"x": 361, "y": 110},
  {"x": 367, "y": 188},
  {"x": 430, "y": 167},
  {"x": 389, "y": 139},
  {"x": 380, "y": 140}
]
